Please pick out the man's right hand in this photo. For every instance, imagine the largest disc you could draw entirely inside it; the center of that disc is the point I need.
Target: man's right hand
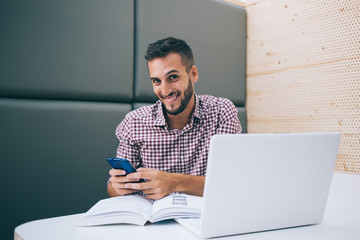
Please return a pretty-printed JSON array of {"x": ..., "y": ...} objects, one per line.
[{"x": 116, "y": 187}]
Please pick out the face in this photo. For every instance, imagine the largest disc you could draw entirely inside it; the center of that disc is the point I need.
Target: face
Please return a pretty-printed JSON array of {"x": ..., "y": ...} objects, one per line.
[{"x": 172, "y": 84}]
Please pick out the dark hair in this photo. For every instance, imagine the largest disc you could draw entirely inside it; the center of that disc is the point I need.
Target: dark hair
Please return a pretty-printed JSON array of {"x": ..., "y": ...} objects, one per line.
[{"x": 164, "y": 47}]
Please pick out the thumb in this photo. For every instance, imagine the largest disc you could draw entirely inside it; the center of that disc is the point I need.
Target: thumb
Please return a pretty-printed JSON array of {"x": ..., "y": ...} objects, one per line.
[{"x": 144, "y": 169}]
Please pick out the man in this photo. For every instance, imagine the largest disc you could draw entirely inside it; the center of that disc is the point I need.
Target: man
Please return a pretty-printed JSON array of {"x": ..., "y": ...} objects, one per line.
[{"x": 169, "y": 141}]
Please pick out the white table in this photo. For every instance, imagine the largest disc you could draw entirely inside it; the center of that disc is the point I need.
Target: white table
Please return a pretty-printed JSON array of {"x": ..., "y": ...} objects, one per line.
[{"x": 341, "y": 221}]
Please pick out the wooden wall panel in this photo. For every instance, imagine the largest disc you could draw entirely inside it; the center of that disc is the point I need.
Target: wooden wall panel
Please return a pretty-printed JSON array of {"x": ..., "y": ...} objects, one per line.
[{"x": 303, "y": 71}]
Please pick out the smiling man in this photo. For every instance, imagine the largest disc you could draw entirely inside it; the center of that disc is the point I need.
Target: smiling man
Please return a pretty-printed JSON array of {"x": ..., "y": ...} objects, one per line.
[{"x": 168, "y": 142}]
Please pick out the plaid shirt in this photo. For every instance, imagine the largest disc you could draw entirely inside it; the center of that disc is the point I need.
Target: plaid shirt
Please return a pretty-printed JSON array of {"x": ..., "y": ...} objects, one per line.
[{"x": 146, "y": 140}]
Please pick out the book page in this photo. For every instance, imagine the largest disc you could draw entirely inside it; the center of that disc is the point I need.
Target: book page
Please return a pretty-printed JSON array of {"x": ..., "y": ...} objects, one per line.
[
  {"x": 176, "y": 206},
  {"x": 134, "y": 209}
]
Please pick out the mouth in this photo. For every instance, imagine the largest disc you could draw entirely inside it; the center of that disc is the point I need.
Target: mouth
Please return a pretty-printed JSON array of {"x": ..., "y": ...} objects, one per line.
[{"x": 171, "y": 98}]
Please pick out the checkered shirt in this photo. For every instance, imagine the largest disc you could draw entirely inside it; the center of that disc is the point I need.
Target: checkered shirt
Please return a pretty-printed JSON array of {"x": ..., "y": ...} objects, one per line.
[{"x": 146, "y": 141}]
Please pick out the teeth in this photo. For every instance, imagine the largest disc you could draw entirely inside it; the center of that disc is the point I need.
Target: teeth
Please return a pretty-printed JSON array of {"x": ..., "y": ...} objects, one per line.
[{"x": 171, "y": 99}]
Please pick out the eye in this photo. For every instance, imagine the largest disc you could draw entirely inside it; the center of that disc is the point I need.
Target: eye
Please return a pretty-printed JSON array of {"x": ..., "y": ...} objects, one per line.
[
  {"x": 173, "y": 77},
  {"x": 155, "y": 81}
]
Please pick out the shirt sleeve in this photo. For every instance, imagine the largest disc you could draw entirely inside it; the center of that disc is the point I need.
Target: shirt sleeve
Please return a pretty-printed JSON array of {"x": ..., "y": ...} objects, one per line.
[
  {"x": 228, "y": 119},
  {"x": 128, "y": 147}
]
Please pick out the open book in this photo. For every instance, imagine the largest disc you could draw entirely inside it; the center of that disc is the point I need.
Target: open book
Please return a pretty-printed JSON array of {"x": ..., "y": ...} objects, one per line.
[{"x": 137, "y": 209}]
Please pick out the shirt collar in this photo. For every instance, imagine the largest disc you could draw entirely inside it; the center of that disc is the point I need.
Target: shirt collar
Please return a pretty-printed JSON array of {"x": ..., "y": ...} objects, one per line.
[
  {"x": 160, "y": 118},
  {"x": 198, "y": 111}
]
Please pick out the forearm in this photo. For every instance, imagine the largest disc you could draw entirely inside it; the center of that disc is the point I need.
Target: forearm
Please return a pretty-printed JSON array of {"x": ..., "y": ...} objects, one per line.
[{"x": 189, "y": 184}]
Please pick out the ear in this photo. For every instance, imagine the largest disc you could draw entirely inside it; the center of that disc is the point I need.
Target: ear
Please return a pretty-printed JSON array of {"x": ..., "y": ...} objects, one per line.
[{"x": 194, "y": 74}]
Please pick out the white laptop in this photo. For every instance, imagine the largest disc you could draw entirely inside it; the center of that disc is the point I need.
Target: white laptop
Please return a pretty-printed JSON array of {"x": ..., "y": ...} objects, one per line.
[{"x": 258, "y": 182}]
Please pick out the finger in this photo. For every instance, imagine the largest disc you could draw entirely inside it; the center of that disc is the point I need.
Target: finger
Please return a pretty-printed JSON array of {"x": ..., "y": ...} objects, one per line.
[
  {"x": 117, "y": 172},
  {"x": 144, "y": 169},
  {"x": 118, "y": 185},
  {"x": 133, "y": 180},
  {"x": 144, "y": 175},
  {"x": 116, "y": 179},
  {"x": 138, "y": 186},
  {"x": 132, "y": 176},
  {"x": 122, "y": 187},
  {"x": 149, "y": 191}
]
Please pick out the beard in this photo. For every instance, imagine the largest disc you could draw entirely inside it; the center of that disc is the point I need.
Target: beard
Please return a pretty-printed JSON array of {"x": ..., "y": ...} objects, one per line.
[{"x": 189, "y": 92}]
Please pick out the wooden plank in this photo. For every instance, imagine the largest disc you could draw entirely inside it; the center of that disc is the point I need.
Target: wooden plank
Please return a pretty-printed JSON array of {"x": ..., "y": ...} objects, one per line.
[{"x": 303, "y": 71}]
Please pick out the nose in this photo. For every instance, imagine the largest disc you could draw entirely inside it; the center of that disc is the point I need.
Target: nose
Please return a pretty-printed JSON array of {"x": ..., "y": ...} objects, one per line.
[{"x": 166, "y": 89}]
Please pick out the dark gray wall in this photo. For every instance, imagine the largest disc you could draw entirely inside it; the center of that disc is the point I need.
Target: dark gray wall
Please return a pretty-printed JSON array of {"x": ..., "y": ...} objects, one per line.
[
  {"x": 66, "y": 81},
  {"x": 67, "y": 78},
  {"x": 67, "y": 49}
]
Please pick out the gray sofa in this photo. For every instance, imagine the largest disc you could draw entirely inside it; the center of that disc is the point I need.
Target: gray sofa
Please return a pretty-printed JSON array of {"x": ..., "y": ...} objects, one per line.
[{"x": 70, "y": 70}]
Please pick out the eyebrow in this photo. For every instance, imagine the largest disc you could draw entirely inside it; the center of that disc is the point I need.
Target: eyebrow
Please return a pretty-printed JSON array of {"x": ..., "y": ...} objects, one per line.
[
  {"x": 167, "y": 74},
  {"x": 172, "y": 71}
]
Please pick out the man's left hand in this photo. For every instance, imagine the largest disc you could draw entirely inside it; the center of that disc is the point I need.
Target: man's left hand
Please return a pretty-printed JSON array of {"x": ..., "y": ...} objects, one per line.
[{"x": 158, "y": 183}]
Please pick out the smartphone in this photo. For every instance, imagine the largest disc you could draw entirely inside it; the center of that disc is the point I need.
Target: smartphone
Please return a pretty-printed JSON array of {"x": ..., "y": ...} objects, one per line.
[{"x": 124, "y": 164}]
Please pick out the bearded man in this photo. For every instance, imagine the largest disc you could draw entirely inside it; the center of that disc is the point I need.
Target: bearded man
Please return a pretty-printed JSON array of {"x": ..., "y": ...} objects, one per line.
[{"x": 168, "y": 142}]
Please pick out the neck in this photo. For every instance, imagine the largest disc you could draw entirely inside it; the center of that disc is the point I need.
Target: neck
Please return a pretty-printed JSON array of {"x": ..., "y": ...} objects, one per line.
[{"x": 180, "y": 120}]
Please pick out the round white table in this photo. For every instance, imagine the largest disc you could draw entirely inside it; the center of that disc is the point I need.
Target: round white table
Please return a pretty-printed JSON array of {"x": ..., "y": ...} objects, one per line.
[{"x": 341, "y": 221}]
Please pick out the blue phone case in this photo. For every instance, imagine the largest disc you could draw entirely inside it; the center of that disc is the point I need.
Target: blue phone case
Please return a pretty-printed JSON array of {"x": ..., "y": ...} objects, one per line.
[{"x": 121, "y": 163}]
